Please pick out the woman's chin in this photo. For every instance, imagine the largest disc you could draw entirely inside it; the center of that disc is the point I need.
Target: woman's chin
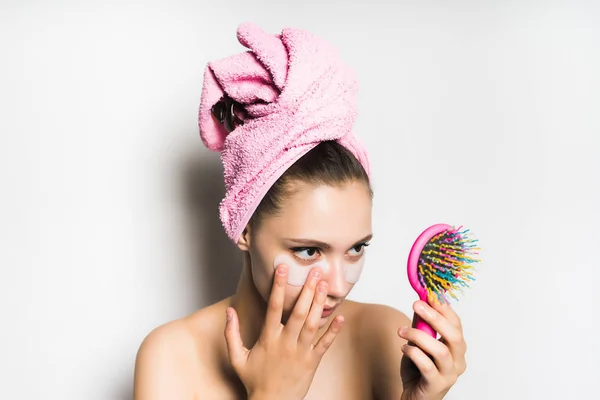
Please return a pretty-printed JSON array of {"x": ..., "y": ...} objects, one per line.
[{"x": 325, "y": 321}]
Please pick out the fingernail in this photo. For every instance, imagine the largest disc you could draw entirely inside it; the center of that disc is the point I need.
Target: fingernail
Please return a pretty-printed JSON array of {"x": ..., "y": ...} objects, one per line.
[
  {"x": 403, "y": 330},
  {"x": 281, "y": 270},
  {"x": 316, "y": 275},
  {"x": 228, "y": 315},
  {"x": 404, "y": 348},
  {"x": 423, "y": 310},
  {"x": 322, "y": 289}
]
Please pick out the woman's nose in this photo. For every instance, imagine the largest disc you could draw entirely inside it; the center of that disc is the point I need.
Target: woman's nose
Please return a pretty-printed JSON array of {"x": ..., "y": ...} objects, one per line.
[{"x": 335, "y": 279}]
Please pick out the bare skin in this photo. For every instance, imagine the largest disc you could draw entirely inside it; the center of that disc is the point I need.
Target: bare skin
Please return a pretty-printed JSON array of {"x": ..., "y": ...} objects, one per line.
[{"x": 361, "y": 352}]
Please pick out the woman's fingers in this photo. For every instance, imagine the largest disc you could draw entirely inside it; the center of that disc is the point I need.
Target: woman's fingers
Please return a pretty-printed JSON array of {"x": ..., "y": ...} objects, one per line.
[
  {"x": 424, "y": 364},
  {"x": 311, "y": 325},
  {"x": 235, "y": 346},
  {"x": 272, "y": 324},
  {"x": 329, "y": 336},
  {"x": 448, "y": 313},
  {"x": 300, "y": 311},
  {"x": 438, "y": 350},
  {"x": 449, "y": 329}
]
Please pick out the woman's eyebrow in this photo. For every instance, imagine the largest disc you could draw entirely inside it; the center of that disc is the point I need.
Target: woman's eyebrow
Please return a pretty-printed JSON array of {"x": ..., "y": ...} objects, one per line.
[
  {"x": 365, "y": 239},
  {"x": 323, "y": 245},
  {"x": 310, "y": 243}
]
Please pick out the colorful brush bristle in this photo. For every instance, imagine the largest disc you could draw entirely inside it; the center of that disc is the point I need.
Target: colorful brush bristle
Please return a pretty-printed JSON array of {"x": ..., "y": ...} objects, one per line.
[
  {"x": 447, "y": 262},
  {"x": 440, "y": 265}
]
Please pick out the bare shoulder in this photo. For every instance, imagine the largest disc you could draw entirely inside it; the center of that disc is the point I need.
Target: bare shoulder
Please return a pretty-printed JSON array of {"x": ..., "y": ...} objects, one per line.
[
  {"x": 377, "y": 321},
  {"x": 175, "y": 356},
  {"x": 377, "y": 326},
  {"x": 164, "y": 362}
]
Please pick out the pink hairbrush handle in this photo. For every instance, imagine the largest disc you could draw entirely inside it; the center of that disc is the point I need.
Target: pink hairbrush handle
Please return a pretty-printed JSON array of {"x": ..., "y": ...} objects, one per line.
[
  {"x": 425, "y": 327},
  {"x": 413, "y": 273}
]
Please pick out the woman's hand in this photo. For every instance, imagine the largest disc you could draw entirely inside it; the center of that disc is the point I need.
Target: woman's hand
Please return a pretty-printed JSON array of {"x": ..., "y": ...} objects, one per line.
[
  {"x": 283, "y": 361},
  {"x": 430, "y": 367}
]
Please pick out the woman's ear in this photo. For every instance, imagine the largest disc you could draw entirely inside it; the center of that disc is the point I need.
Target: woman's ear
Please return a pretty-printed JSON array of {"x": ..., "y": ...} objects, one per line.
[{"x": 244, "y": 240}]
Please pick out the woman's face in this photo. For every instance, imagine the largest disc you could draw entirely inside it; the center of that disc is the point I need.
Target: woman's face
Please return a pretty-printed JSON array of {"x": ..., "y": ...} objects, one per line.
[{"x": 317, "y": 226}]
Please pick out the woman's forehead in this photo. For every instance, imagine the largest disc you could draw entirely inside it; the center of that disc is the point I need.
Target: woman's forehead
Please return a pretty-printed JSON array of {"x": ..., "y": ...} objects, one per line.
[{"x": 332, "y": 214}]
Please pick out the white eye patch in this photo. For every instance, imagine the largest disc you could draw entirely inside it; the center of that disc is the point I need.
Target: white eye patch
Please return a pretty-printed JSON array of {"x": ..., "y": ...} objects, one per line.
[
  {"x": 352, "y": 271},
  {"x": 298, "y": 273}
]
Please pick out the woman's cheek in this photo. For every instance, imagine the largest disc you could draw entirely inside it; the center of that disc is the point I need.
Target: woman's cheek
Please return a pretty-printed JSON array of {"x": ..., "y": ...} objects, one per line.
[
  {"x": 292, "y": 293},
  {"x": 263, "y": 279}
]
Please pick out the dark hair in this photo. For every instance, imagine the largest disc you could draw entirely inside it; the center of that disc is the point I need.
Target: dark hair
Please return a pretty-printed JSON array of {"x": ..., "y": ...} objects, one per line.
[{"x": 329, "y": 163}]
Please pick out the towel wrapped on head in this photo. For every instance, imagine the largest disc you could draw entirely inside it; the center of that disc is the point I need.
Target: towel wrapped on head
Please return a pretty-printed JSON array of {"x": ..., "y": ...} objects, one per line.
[{"x": 265, "y": 108}]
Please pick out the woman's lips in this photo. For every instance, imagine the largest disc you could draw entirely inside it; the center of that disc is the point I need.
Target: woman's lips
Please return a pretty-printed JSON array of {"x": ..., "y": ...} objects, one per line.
[{"x": 327, "y": 311}]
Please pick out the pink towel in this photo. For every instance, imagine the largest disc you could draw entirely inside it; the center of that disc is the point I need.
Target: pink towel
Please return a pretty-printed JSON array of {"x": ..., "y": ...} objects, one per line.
[{"x": 295, "y": 93}]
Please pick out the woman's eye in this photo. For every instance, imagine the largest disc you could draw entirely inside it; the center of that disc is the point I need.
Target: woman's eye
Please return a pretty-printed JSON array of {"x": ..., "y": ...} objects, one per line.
[
  {"x": 358, "y": 249},
  {"x": 307, "y": 253}
]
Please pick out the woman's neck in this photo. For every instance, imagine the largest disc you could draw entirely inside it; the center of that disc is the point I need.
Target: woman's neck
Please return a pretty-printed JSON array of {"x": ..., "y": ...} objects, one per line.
[{"x": 249, "y": 305}]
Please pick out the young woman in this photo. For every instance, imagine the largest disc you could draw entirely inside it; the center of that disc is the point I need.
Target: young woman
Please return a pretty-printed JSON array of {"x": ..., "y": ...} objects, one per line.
[{"x": 298, "y": 205}]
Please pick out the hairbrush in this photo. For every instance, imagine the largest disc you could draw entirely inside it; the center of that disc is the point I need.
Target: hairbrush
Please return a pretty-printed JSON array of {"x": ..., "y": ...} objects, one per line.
[{"x": 440, "y": 266}]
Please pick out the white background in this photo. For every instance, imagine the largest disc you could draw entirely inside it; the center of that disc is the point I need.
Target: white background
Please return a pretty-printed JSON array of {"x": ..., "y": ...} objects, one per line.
[{"x": 482, "y": 113}]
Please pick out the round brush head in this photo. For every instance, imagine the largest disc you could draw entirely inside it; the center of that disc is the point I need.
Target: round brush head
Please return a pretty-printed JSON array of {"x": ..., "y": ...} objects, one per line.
[{"x": 441, "y": 262}]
